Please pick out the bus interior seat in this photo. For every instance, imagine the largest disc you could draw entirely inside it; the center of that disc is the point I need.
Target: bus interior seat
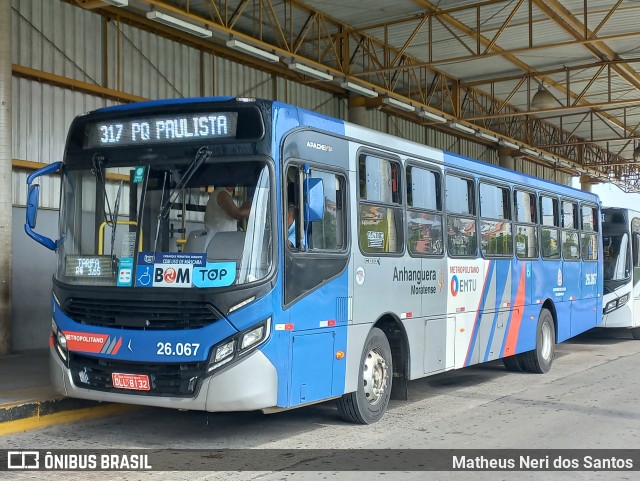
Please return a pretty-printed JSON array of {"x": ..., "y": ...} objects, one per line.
[
  {"x": 226, "y": 246},
  {"x": 198, "y": 241}
]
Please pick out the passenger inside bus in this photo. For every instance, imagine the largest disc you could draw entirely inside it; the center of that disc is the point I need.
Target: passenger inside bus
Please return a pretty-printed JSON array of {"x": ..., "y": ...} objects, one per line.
[{"x": 222, "y": 214}]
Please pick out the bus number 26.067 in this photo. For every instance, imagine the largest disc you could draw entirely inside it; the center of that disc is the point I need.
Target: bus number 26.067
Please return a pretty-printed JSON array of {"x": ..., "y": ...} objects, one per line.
[{"x": 179, "y": 349}]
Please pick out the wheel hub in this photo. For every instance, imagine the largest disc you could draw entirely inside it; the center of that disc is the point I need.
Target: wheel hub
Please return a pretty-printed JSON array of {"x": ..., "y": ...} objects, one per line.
[{"x": 375, "y": 375}]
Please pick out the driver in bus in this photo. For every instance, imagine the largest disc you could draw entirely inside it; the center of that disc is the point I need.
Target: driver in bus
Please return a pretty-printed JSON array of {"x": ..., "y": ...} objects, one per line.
[{"x": 291, "y": 227}]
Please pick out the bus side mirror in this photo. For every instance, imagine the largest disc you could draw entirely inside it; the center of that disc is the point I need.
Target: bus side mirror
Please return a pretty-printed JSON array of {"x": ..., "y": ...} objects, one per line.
[
  {"x": 314, "y": 200},
  {"x": 32, "y": 205},
  {"x": 33, "y": 196}
]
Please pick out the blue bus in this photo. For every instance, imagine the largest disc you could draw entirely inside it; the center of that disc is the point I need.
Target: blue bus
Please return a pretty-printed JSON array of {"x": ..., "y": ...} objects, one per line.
[{"x": 353, "y": 261}]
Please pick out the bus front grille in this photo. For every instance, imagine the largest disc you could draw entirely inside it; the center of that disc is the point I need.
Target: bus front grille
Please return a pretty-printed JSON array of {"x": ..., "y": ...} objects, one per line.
[
  {"x": 141, "y": 314},
  {"x": 175, "y": 379}
]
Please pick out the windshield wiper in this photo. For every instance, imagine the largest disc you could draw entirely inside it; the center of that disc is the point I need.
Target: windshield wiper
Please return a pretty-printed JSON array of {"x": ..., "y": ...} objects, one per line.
[
  {"x": 116, "y": 209},
  {"x": 165, "y": 206},
  {"x": 98, "y": 171}
]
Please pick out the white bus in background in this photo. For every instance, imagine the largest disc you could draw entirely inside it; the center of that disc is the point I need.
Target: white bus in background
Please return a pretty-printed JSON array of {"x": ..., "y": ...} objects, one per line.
[{"x": 621, "y": 245}]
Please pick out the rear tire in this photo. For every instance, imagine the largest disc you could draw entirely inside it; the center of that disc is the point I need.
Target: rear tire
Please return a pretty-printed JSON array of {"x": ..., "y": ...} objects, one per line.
[
  {"x": 369, "y": 402},
  {"x": 514, "y": 363},
  {"x": 635, "y": 332},
  {"x": 540, "y": 359}
]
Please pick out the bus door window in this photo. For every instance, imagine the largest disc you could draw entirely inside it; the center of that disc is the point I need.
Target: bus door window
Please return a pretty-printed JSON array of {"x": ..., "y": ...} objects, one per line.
[
  {"x": 549, "y": 232},
  {"x": 635, "y": 249},
  {"x": 570, "y": 245},
  {"x": 526, "y": 229},
  {"x": 495, "y": 223},
  {"x": 380, "y": 205},
  {"x": 461, "y": 220},
  {"x": 424, "y": 212},
  {"x": 324, "y": 241}
]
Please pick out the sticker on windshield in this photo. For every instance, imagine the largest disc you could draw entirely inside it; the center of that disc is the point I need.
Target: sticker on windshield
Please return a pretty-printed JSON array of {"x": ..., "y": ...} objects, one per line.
[
  {"x": 215, "y": 274},
  {"x": 125, "y": 272},
  {"x": 151, "y": 258},
  {"x": 138, "y": 174},
  {"x": 128, "y": 244}
]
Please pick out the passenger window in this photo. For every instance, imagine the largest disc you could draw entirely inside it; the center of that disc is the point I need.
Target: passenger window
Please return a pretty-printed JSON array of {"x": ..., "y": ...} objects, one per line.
[
  {"x": 424, "y": 206},
  {"x": 549, "y": 232},
  {"x": 461, "y": 228},
  {"x": 570, "y": 244},
  {"x": 495, "y": 222},
  {"x": 460, "y": 196},
  {"x": 526, "y": 231},
  {"x": 379, "y": 180},
  {"x": 379, "y": 211},
  {"x": 569, "y": 215},
  {"x": 525, "y": 207},
  {"x": 589, "y": 236}
]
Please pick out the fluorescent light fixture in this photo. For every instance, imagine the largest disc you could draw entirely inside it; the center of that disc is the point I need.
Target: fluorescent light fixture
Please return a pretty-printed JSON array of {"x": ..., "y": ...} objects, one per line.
[
  {"x": 398, "y": 104},
  {"x": 528, "y": 151},
  {"x": 251, "y": 50},
  {"x": 431, "y": 116},
  {"x": 359, "y": 89},
  {"x": 485, "y": 136},
  {"x": 117, "y": 3},
  {"x": 509, "y": 145},
  {"x": 549, "y": 158},
  {"x": 179, "y": 24},
  {"x": 310, "y": 71},
  {"x": 461, "y": 128}
]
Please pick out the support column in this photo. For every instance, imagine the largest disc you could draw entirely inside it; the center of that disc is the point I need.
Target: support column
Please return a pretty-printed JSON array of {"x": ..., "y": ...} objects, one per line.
[
  {"x": 5, "y": 177},
  {"x": 506, "y": 159},
  {"x": 586, "y": 183},
  {"x": 358, "y": 111}
]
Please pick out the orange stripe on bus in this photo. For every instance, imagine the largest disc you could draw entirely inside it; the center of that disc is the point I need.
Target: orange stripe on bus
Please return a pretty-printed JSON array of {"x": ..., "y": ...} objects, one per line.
[{"x": 516, "y": 318}]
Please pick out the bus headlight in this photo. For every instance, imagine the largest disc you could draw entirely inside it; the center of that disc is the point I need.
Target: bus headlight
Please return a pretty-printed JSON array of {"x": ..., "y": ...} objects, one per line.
[
  {"x": 60, "y": 341},
  {"x": 239, "y": 344},
  {"x": 611, "y": 305},
  {"x": 225, "y": 351},
  {"x": 623, "y": 300},
  {"x": 252, "y": 337}
]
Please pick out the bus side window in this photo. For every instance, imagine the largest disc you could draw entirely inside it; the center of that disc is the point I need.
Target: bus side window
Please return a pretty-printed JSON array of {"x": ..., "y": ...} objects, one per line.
[
  {"x": 380, "y": 206},
  {"x": 461, "y": 220},
  {"x": 549, "y": 230}
]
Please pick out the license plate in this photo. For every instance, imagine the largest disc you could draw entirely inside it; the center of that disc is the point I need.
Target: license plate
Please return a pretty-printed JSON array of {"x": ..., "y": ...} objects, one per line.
[{"x": 137, "y": 382}]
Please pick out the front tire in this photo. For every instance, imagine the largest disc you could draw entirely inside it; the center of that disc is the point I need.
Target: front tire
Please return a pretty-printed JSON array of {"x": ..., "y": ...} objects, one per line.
[
  {"x": 540, "y": 359},
  {"x": 369, "y": 402},
  {"x": 635, "y": 332}
]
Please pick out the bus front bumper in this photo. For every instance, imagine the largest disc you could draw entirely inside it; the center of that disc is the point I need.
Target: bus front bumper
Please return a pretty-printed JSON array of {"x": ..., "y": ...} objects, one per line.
[{"x": 249, "y": 385}]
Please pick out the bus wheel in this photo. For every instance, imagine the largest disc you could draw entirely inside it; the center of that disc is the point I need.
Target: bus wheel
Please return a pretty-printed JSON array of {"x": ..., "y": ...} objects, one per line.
[
  {"x": 539, "y": 360},
  {"x": 369, "y": 402},
  {"x": 514, "y": 363},
  {"x": 635, "y": 332}
]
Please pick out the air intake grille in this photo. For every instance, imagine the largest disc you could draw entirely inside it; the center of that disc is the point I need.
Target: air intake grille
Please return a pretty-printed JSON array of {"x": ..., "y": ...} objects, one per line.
[
  {"x": 178, "y": 380},
  {"x": 141, "y": 314}
]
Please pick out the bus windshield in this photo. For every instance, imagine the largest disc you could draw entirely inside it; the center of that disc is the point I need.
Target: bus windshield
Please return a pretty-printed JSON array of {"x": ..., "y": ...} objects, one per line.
[
  {"x": 617, "y": 259},
  {"x": 164, "y": 225}
]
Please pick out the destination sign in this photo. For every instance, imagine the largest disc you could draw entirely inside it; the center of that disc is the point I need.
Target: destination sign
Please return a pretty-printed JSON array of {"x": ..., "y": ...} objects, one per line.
[{"x": 161, "y": 129}]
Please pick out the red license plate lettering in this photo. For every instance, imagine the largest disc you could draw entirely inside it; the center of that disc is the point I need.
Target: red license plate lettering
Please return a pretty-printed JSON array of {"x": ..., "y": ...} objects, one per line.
[{"x": 137, "y": 382}]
